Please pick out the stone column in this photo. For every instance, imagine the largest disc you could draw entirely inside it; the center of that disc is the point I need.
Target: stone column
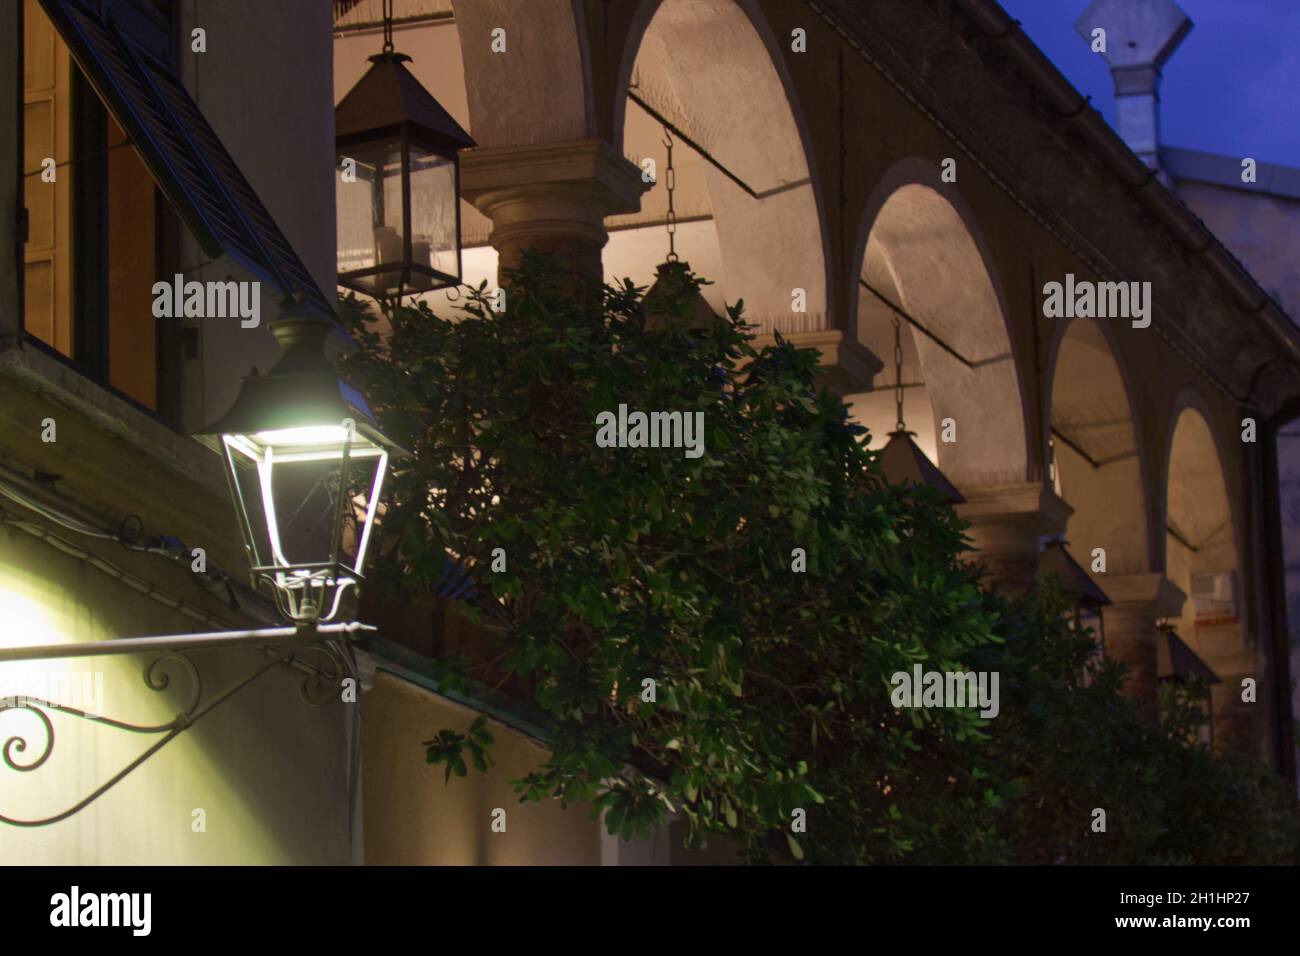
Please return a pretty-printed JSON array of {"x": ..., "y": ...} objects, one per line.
[
  {"x": 1006, "y": 525},
  {"x": 1138, "y": 602},
  {"x": 1238, "y": 725},
  {"x": 553, "y": 197}
]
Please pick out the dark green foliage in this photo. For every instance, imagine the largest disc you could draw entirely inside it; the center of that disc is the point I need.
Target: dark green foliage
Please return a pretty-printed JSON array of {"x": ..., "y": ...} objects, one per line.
[{"x": 771, "y": 687}]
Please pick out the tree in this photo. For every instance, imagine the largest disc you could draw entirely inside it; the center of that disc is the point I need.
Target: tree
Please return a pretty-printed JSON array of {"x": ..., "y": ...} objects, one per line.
[{"x": 711, "y": 636}]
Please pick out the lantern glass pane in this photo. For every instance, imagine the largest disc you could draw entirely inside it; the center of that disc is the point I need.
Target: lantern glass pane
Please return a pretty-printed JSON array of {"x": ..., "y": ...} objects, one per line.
[
  {"x": 371, "y": 222},
  {"x": 289, "y": 484},
  {"x": 434, "y": 240}
]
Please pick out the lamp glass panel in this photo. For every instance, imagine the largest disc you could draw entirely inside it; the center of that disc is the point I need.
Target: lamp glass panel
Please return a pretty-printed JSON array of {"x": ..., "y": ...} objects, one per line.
[
  {"x": 371, "y": 221},
  {"x": 289, "y": 489},
  {"x": 434, "y": 240}
]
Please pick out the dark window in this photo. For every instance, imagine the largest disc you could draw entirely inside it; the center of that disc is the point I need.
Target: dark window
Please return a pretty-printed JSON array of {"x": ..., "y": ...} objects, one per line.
[{"x": 101, "y": 96}]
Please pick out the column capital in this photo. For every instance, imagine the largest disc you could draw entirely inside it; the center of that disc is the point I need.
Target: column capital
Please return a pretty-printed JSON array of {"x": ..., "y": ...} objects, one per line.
[
  {"x": 485, "y": 169},
  {"x": 1006, "y": 524},
  {"x": 1138, "y": 602},
  {"x": 1033, "y": 505},
  {"x": 1151, "y": 595},
  {"x": 551, "y": 196}
]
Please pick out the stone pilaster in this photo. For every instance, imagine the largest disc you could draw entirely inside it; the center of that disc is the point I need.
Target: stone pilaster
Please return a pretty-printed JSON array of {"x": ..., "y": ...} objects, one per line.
[
  {"x": 1238, "y": 725},
  {"x": 1138, "y": 603},
  {"x": 1006, "y": 525},
  {"x": 553, "y": 197}
]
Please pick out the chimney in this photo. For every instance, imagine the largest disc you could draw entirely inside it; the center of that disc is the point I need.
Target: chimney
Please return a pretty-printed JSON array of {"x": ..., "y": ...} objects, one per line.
[{"x": 1140, "y": 36}]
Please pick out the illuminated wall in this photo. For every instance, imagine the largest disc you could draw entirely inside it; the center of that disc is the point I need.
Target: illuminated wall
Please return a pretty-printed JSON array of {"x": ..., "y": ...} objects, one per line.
[
  {"x": 268, "y": 770},
  {"x": 414, "y": 817}
]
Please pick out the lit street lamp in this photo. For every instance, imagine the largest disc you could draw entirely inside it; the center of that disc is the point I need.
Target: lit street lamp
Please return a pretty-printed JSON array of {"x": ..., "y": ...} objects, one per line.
[{"x": 306, "y": 463}]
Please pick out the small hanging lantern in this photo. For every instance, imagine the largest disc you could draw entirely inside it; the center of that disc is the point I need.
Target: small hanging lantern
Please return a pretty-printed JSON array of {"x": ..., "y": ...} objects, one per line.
[
  {"x": 1088, "y": 598},
  {"x": 306, "y": 462},
  {"x": 398, "y": 193},
  {"x": 901, "y": 459},
  {"x": 1180, "y": 666},
  {"x": 672, "y": 276},
  {"x": 1177, "y": 663}
]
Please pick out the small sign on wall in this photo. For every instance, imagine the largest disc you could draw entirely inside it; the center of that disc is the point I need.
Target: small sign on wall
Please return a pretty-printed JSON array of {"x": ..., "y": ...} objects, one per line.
[{"x": 1214, "y": 598}]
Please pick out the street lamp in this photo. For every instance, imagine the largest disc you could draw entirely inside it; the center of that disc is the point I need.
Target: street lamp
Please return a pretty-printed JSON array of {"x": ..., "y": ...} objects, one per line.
[
  {"x": 398, "y": 192},
  {"x": 306, "y": 462}
]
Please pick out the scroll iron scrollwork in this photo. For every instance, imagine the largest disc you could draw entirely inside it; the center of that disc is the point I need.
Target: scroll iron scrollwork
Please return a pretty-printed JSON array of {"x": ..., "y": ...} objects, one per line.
[
  {"x": 321, "y": 683},
  {"x": 156, "y": 679}
]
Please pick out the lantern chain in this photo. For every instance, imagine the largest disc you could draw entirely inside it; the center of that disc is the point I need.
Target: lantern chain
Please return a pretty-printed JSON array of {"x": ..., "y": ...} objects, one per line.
[
  {"x": 898, "y": 372},
  {"x": 388, "y": 26},
  {"x": 670, "y": 180}
]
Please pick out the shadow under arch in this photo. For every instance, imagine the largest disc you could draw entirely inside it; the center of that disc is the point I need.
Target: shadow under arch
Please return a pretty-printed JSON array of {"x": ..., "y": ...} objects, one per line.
[
  {"x": 1091, "y": 436},
  {"x": 723, "y": 67},
  {"x": 1194, "y": 461},
  {"x": 1203, "y": 551},
  {"x": 920, "y": 245}
]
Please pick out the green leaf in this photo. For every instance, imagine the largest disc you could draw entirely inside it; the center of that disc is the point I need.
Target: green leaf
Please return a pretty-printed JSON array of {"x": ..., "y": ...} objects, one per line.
[{"x": 795, "y": 849}]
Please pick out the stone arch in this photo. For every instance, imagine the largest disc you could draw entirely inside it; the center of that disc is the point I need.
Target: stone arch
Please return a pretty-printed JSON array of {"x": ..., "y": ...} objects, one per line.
[
  {"x": 539, "y": 91},
  {"x": 715, "y": 68},
  {"x": 1202, "y": 552},
  {"x": 921, "y": 246},
  {"x": 1099, "y": 466}
]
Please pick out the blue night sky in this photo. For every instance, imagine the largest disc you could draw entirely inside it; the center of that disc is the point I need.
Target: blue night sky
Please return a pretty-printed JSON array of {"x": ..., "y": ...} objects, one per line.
[{"x": 1231, "y": 87}]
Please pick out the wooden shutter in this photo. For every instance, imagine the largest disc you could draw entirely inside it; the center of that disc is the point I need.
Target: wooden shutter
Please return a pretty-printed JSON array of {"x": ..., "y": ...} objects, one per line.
[{"x": 47, "y": 134}]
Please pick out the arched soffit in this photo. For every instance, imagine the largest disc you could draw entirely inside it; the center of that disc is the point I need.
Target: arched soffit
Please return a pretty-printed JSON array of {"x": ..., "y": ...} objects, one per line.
[
  {"x": 723, "y": 76},
  {"x": 1101, "y": 464},
  {"x": 920, "y": 246},
  {"x": 1197, "y": 508},
  {"x": 539, "y": 90}
]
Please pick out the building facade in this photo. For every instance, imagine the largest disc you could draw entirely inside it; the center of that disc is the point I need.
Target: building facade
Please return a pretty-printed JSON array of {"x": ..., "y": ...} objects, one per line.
[{"x": 840, "y": 166}]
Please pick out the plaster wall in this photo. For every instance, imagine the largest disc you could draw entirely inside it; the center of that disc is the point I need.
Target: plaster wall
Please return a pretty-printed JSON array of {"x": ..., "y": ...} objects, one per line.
[
  {"x": 413, "y": 817},
  {"x": 1261, "y": 229},
  {"x": 267, "y": 771},
  {"x": 264, "y": 83}
]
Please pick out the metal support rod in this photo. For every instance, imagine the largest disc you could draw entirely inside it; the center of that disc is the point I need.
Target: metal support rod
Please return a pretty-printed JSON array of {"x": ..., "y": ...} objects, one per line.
[
  {"x": 685, "y": 138},
  {"x": 899, "y": 310},
  {"x": 1074, "y": 446},
  {"x": 178, "y": 642}
]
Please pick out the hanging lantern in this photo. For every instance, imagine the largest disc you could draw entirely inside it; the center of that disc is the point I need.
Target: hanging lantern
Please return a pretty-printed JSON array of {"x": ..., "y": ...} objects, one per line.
[
  {"x": 904, "y": 463},
  {"x": 1179, "y": 665},
  {"x": 1088, "y": 598},
  {"x": 306, "y": 462},
  {"x": 398, "y": 193},
  {"x": 671, "y": 285},
  {"x": 672, "y": 277},
  {"x": 901, "y": 459}
]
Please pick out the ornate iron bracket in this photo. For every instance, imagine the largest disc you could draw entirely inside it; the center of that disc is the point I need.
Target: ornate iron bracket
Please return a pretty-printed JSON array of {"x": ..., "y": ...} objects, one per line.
[{"x": 289, "y": 645}]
